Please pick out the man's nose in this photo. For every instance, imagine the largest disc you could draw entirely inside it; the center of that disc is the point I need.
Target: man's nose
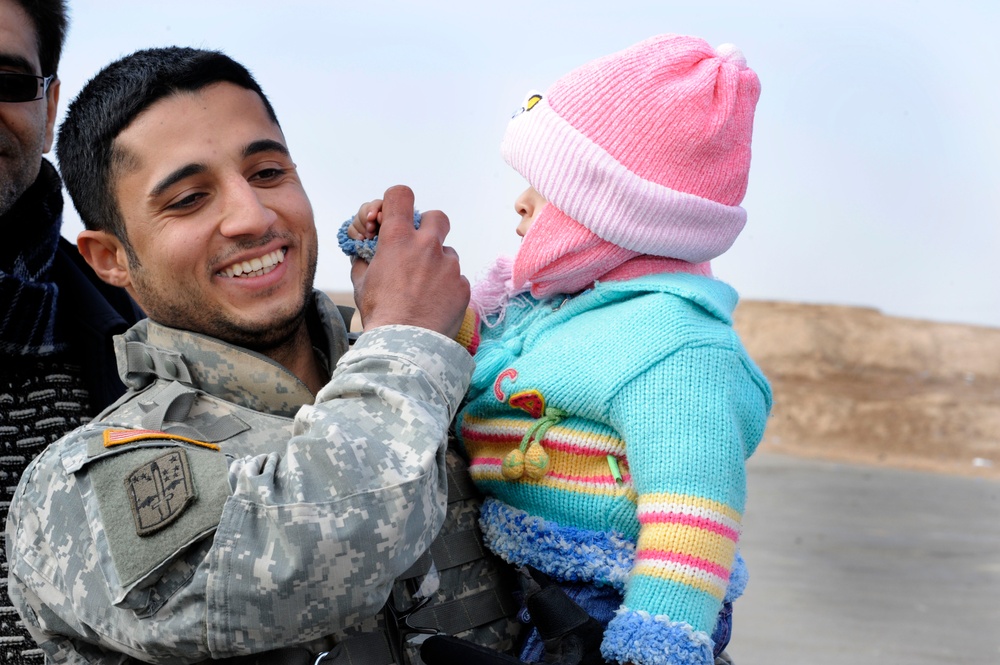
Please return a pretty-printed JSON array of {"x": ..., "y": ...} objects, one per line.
[{"x": 244, "y": 212}]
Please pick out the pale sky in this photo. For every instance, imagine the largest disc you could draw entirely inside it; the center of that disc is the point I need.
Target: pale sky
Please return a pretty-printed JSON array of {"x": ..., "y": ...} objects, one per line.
[{"x": 874, "y": 179}]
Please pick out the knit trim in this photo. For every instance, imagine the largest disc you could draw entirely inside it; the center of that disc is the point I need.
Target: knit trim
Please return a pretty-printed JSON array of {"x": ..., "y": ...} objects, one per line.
[
  {"x": 609, "y": 199},
  {"x": 567, "y": 553},
  {"x": 738, "y": 579},
  {"x": 639, "y": 637},
  {"x": 365, "y": 248}
]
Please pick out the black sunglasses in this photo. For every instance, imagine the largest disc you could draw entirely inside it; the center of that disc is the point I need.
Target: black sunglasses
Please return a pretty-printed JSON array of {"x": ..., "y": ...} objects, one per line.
[{"x": 16, "y": 87}]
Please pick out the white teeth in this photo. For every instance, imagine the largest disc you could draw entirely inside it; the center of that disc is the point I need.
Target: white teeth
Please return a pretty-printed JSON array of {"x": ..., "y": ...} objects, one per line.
[{"x": 255, "y": 267}]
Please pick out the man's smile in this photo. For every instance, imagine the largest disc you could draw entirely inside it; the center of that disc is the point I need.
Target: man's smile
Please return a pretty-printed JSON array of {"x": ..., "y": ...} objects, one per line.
[{"x": 255, "y": 267}]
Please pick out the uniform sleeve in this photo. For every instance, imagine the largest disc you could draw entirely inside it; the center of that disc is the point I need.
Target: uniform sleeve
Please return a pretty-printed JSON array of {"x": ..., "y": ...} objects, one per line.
[
  {"x": 311, "y": 538},
  {"x": 689, "y": 423}
]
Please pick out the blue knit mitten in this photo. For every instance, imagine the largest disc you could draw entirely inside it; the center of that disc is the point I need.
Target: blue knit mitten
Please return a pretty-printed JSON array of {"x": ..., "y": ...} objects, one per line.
[{"x": 363, "y": 249}]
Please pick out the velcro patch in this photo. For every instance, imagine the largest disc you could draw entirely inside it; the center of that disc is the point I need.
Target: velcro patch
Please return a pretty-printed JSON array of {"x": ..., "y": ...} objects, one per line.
[
  {"x": 159, "y": 491},
  {"x": 117, "y": 437}
]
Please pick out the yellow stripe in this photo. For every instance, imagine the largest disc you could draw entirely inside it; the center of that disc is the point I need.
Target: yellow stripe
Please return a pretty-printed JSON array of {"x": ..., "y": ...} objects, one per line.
[
  {"x": 642, "y": 568},
  {"x": 559, "y": 460},
  {"x": 687, "y": 540},
  {"x": 480, "y": 474}
]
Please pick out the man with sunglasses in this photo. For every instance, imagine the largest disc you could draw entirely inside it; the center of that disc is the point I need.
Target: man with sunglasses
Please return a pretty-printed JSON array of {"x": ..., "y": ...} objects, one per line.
[{"x": 57, "y": 366}]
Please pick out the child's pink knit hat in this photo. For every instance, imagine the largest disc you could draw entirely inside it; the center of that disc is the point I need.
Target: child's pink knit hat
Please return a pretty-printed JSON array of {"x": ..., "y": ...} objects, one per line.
[{"x": 648, "y": 148}]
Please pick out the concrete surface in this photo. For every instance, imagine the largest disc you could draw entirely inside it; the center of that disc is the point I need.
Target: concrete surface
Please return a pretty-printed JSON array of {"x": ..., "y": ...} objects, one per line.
[{"x": 865, "y": 565}]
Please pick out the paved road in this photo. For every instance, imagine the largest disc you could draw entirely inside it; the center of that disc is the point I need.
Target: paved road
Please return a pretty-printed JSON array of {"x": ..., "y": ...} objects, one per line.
[{"x": 856, "y": 565}]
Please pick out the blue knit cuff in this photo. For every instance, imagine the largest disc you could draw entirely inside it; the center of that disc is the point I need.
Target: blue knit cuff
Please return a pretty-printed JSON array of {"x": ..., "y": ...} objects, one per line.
[
  {"x": 738, "y": 578},
  {"x": 567, "y": 553},
  {"x": 363, "y": 249},
  {"x": 640, "y": 638}
]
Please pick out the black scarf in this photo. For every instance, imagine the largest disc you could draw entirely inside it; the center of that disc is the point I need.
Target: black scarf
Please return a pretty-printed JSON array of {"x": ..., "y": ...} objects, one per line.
[{"x": 27, "y": 297}]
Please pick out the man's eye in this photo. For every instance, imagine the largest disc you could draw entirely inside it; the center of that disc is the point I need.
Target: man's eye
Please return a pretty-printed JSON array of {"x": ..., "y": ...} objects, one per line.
[
  {"x": 186, "y": 202},
  {"x": 268, "y": 174}
]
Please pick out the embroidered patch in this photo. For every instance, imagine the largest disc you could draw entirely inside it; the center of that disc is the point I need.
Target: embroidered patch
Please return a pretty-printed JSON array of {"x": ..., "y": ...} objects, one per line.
[
  {"x": 509, "y": 373},
  {"x": 116, "y": 437},
  {"x": 530, "y": 100},
  {"x": 530, "y": 401},
  {"x": 160, "y": 491}
]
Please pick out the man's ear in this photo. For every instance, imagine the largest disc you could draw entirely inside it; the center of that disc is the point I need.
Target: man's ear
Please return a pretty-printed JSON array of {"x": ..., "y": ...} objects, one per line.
[
  {"x": 106, "y": 255},
  {"x": 51, "y": 103}
]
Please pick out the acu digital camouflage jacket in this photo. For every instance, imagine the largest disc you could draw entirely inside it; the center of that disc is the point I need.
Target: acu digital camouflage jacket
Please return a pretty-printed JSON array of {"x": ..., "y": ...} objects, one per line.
[{"x": 209, "y": 514}]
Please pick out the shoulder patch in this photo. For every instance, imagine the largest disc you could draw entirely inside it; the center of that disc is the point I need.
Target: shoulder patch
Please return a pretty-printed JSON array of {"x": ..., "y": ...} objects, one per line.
[
  {"x": 117, "y": 437},
  {"x": 159, "y": 491}
]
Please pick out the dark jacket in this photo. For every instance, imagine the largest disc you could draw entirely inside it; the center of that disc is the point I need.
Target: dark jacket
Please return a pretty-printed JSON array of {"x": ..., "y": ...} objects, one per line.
[{"x": 91, "y": 312}]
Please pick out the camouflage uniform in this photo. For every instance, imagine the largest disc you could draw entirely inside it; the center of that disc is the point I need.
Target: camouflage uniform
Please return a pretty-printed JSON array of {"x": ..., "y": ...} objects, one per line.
[{"x": 206, "y": 515}]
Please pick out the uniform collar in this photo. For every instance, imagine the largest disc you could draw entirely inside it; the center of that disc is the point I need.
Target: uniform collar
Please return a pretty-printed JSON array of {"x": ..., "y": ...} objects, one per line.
[{"x": 246, "y": 378}]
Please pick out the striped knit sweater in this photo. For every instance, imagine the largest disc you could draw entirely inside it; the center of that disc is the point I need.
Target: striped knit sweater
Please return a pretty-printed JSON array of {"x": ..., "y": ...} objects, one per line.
[{"x": 646, "y": 406}]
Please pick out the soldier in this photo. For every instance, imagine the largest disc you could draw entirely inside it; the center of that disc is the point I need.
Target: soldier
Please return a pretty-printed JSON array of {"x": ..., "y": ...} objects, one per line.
[{"x": 208, "y": 514}]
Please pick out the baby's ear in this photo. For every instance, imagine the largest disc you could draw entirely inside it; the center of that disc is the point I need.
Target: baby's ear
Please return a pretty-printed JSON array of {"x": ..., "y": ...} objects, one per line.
[{"x": 106, "y": 255}]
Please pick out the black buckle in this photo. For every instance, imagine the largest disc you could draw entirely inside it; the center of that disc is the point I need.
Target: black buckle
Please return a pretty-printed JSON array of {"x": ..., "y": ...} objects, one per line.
[{"x": 399, "y": 626}]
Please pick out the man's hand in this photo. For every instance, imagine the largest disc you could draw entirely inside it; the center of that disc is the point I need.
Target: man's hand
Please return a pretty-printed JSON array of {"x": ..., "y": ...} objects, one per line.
[{"x": 414, "y": 279}]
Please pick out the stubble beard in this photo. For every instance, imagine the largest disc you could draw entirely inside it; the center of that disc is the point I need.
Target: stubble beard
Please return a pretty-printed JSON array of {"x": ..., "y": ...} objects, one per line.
[
  {"x": 15, "y": 181},
  {"x": 180, "y": 311}
]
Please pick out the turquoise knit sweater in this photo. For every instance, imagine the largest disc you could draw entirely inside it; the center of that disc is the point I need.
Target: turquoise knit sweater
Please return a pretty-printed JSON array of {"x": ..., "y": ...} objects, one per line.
[{"x": 637, "y": 407}]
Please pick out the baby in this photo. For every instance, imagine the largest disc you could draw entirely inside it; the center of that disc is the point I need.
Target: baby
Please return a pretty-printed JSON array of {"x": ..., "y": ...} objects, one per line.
[{"x": 613, "y": 406}]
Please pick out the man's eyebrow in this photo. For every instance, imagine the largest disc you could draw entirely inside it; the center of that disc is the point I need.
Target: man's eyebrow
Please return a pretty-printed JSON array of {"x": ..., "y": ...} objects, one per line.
[
  {"x": 175, "y": 177},
  {"x": 265, "y": 145},
  {"x": 15, "y": 61}
]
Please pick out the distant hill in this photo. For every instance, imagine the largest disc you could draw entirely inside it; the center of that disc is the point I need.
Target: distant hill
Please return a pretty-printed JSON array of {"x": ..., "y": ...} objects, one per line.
[{"x": 853, "y": 384}]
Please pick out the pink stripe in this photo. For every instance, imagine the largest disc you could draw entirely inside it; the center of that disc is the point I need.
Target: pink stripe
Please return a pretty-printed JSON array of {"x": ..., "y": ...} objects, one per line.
[
  {"x": 685, "y": 560},
  {"x": 483, "y": 437},
  {"x": 496, "y": 461},
  {"x": 689, "y": 520},
  {"x": 551, "y": 441},
  {"x": 603, "y": 479},
  {"x": 579, "y": 449}
]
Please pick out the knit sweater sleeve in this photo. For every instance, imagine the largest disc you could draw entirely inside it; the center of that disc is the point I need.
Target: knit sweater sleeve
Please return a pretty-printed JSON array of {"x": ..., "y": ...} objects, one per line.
[{"x": 689, "y": 422}]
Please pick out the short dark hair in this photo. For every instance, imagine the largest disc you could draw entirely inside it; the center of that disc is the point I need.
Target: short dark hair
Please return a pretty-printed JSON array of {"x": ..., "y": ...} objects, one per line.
[
  {"x": 49, "y": 18},
  {"x": 108, "y": 104}
]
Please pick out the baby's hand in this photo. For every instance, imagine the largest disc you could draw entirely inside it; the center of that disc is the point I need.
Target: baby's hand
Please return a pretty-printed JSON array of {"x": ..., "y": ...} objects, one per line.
[
  {"x": 358, "y": 236},
  {"x": 365, "y": 224}
]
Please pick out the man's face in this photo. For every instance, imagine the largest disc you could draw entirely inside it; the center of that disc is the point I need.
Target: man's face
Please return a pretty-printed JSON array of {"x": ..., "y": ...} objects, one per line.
[
  {"x": 214, "y": 209},
  {"x": 25, "y": 127}
]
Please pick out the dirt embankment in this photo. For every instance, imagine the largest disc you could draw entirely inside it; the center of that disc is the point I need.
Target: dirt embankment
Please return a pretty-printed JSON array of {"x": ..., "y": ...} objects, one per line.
[{"x": 853, "y": 384}]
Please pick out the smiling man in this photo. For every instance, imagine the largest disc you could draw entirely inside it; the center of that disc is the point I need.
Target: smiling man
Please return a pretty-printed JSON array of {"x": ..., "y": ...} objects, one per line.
[{"x": 260, "y": 485}]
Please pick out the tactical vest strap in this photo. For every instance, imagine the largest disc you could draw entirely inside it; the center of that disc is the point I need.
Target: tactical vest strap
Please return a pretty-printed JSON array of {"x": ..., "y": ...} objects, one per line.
[
  {"x": 459, "y": 615},
  {"x": 285, "y": 656},
  {"x": 148, "y": 361},
  {"x": 173, "y": 403},
  {"x": 365, "y": 649},
  {"x": 448, "y": 551},
  {"x": 460, "y": 485}
]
